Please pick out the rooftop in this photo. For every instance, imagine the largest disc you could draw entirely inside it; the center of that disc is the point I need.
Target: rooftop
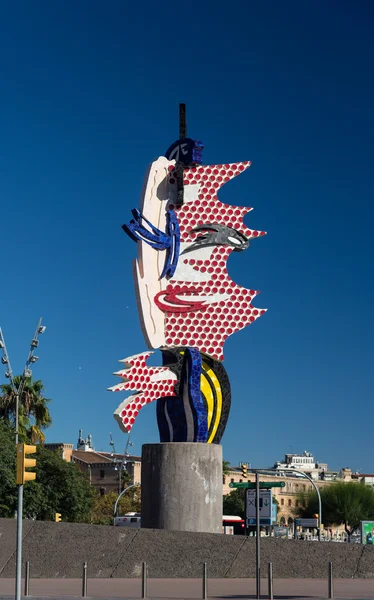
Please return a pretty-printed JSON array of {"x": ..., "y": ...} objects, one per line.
[
  {"x": 92, "y": 457},
  {"x": 58, "y": 444}
]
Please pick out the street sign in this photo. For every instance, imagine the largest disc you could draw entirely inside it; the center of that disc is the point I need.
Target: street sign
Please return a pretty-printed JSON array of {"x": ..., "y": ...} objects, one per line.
[
  {"x": 281, "y": 532},
  {"x": 265, "y": 504},
  {"x": 367, "y": 531},
  {"x": 263, "y": 522},
  {"x": 306, "y": 523},
  {"x": 265, "y": 485}
]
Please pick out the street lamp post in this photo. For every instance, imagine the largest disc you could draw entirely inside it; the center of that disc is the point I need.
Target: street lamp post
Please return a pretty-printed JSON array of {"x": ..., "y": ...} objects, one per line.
[
  {"x": 27, "y": 372},
  {"x": 319, "y": 501},
  {"x": 120, "y": 496},
  {"x": 313, "y": 484},
  {"x": 123, "y": 462},
  {"x": 18, "y": 391},
  {"x": 125, "y": 457}
]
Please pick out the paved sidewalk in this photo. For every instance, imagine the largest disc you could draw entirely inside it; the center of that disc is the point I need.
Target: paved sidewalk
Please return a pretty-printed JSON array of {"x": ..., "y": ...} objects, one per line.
[{"x": 190, "y": 589}]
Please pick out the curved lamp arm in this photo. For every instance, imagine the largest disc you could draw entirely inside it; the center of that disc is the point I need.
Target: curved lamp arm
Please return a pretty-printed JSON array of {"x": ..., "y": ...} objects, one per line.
[{"x": 121, "y": 494}]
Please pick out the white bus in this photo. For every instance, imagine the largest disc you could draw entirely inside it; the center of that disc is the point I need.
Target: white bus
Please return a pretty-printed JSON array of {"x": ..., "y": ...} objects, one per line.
[{"x": 233, "y": 525}]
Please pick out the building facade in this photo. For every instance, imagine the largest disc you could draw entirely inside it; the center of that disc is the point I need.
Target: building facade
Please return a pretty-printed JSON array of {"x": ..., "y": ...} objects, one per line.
[
  {"x": 107, "y": 471},
  {"x": 364, "y": 478},
  {"x": 65, "y": 450},
  {"x": 303, "y": 462}
]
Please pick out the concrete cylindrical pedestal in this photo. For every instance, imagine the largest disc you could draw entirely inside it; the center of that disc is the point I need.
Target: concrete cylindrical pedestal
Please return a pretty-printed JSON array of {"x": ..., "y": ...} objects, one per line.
[{"x": 182, "y": 487}]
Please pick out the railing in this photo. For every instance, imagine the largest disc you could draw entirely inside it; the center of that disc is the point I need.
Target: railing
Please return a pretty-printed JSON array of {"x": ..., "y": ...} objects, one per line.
[{"x": 204, "y": 581}]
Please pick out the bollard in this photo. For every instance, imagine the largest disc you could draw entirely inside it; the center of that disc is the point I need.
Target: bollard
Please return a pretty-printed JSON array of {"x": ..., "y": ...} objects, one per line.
[
  {"x": 270, "y": 581},
  {"x": 331, "y": 582},
  {"x": 205, "y": 582},
  {"x": 144, "y": 580},
  {"x": 84, "y": 580},
  {"x": 27, "y": 578}
]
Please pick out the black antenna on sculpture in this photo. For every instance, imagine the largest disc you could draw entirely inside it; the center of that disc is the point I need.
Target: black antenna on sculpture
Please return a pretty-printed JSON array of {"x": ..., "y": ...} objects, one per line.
[
  {"x": 179, "y": 167},
  {"x": 186, "y": 152},
  {"x": 182, "y": 122}
]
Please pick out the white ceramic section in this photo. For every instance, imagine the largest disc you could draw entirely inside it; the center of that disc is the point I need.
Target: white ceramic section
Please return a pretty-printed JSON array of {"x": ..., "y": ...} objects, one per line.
[
  {"x": 149, "y": 264},
  {"x": 191, "y": 192},
  {"x": 121, "y": 407},
  {"x": 139, "y": 356},
  {"x": 117, "y": 388},
  {"x": 186, "y": 272},
  {"x": 159, "y": 376}
]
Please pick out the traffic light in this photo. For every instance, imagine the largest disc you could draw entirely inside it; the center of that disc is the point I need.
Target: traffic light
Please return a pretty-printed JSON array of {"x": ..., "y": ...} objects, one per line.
[
  {"x": 58, "y": 517},
  {"x": 24, "y": 463},
  {"x": 244, "y": 471}
]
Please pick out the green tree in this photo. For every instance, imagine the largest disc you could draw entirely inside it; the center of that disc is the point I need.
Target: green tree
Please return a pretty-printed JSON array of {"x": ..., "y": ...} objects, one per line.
[
  {"x": 225, "y": 467},
  {"x": 34, "y": 415},
  {"x": 7, "y": 472},
  {"x": 233, "y": 503},
  {"x": 60, "y": 487},
  {"x": 342, "y": 503},
  {"x": 103, "y": 510}
]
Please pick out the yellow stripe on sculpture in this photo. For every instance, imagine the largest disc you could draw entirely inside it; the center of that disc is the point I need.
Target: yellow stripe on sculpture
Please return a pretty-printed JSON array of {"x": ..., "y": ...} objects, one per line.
[
  {"x": 209, "y": 397},
  {"x": 208, "y": 393}
]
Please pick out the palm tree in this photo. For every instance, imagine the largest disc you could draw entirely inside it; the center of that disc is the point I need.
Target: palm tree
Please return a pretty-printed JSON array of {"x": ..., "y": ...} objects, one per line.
[{"x": 33, "y": 415}]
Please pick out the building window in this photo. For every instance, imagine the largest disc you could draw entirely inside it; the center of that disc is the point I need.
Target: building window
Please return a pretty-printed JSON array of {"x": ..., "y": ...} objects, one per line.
[
  {"x": 232, "y": 480},
  {"x": 102, "y": 491},
  {"x": 102, "y": 473},
  {"x": 289, "y": 503},
  {"x": 304, "y": 487},
  {"x": 282, "y": 502},
  {"x": 240, "y": 480}
]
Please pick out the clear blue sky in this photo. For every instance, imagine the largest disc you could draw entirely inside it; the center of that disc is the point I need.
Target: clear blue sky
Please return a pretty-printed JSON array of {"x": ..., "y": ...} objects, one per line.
[{"x": 89, "y": 95}]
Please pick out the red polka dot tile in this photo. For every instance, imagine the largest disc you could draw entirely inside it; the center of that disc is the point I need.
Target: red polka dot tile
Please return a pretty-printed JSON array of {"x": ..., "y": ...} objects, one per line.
[
  {"x": 150, "y": 382},
  {"x": 205, "y": 315}
]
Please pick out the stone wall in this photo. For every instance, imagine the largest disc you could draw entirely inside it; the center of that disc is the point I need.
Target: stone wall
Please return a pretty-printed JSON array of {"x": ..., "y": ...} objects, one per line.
[{"x": 59, "y": 550}]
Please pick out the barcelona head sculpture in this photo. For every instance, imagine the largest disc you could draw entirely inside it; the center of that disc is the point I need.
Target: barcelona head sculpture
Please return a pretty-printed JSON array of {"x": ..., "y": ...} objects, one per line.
[{"x": 188, "y": 305}]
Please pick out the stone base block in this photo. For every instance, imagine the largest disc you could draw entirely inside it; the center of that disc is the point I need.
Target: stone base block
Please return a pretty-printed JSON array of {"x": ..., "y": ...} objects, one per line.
[{"x": 182, "y": 487}]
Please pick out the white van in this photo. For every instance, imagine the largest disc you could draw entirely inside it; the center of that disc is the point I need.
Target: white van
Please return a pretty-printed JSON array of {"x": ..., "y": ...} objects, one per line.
[{"x": 130, "y": 519}]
